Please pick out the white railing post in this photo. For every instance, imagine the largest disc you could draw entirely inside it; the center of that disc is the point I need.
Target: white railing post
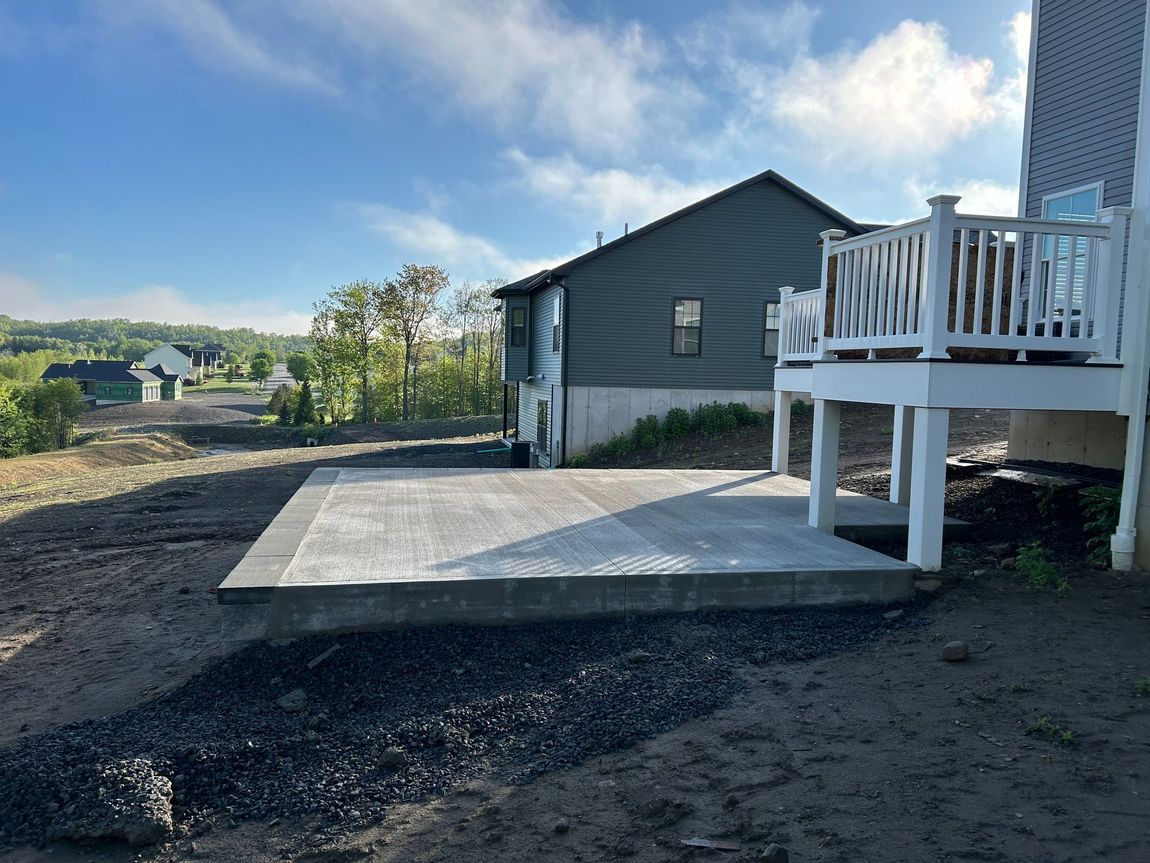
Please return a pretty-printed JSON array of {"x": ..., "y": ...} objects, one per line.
[
  {"x": 936, "y": 295},
  {"x": 785, "y": 325},
  {"x": 829, "y": 238},
  {"x": 1108, "y": 283}
]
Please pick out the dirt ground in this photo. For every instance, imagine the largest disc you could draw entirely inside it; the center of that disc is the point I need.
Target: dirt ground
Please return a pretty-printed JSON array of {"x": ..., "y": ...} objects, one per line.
[
  {"x": 195, "y": 408},
  {"x": 883, "y": 754}
]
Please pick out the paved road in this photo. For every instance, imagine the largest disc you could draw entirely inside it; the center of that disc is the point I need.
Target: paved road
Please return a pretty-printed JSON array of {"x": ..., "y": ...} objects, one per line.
[{"x": 279, "y": 376}]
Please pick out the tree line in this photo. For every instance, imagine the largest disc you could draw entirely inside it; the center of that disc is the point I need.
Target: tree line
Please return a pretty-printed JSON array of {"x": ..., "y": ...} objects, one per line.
[
  {"x": 413, "y": 346},
  {"x": 121, "y": 339},
  {"x": 38, "y": 417}
]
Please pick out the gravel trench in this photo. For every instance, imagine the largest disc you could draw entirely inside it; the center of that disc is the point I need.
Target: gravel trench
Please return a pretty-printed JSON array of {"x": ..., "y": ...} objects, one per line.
[{"x": 400, "y": 716}]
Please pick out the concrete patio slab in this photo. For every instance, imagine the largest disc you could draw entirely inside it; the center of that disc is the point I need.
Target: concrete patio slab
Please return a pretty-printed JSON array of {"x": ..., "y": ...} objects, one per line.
[{"x": 375, "y": 548}]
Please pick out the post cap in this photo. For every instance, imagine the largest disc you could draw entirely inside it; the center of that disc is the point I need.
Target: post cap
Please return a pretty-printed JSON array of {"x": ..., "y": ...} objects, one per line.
[
  {"x": 833, "y": 234},
  {"x": 943, "y": 199}
]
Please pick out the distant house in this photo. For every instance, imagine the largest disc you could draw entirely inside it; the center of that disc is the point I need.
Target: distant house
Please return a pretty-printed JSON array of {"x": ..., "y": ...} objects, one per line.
[
  {"x": 209, "y": 356},
  {"x": 178, "y": 358},
  {"x": 171, "y": 385},
  {"x": 108, "y": 381},
  {"x": 681, "y": 312}
]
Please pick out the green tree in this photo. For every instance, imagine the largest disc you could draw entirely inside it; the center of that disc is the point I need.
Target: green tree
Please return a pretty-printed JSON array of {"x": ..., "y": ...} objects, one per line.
[
  {"x": 411, "y": 299},
  {"x": 305, "y": 413},
  {"x": 230, "y": 375},
  {"x": 266, "y": 354},
  {"x": 15, "y": 420},
  {"x": 284, "y": 414},
  {"x": 300, "y": 366},
  {"x": 334, "y": 356},
  {"x": 259, "y": 370},
  {"x": 281, "y": 395},
  {"x": 56, "y": 407},
  {"x": 359, "y": 312}
]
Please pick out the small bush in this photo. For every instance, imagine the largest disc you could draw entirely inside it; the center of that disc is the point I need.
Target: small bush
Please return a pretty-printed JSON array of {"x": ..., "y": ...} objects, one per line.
[
  {"x": 268, "y": 419},
  {"x": 577, "y": 461},
  {"x": 713, "y": 419},
  {"x": 1100, "y": 505},
  {"x": 1034, "y": 563},
  {"x": 677, "y": 423},
  {"x": 800, "y": 408},
  {"x": 646, "y": 433}
]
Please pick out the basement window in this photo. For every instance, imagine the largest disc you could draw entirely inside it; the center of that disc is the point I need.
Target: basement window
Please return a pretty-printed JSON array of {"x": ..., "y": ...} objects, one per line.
[{"x": 687, "y": 327}]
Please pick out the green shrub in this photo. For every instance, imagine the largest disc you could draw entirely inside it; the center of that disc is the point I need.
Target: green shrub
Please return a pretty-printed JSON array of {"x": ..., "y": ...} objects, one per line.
[
  {"x": 1142, "y": 687},
  {"x": 800, "y": 408},
  {"x": 1100, "y": 505},
  {"x": 744, "y": 416},
  {"x": 646, "y": 433},
  {"x": 577, "y": 461},
  {"x": 267, "y": 419},
  {"x": 677, "y": 423},
  {"x": 1034, "y": 563},
  {"x": 713, "y": 419}
]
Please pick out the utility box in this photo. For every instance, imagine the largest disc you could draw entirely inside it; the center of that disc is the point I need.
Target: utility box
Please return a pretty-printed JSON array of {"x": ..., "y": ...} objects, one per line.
[{"x": 521, "y": 453}]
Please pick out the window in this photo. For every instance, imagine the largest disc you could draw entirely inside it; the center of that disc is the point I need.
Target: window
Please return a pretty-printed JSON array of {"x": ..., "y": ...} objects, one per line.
[
  {"x": 687, "y": 327},
  {"x": 555, "y": 326},
  {"x": 1068, "y": 265},
  {"x": 771, "y": 330},
  {"x": 542, "y": 432},
  {"x": 518, "y": 327}
]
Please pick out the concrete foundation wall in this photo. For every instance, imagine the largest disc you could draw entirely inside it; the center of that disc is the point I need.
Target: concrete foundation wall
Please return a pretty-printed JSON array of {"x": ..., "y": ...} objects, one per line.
[
  {"x": 1078, "y": 437},
  {"x": 597, "y": 414}
]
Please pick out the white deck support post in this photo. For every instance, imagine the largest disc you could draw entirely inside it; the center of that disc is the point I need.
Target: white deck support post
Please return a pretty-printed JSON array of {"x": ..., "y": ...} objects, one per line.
[
  {"x": 936, "y": 298},
  {"x": 829, "y": 238},
  {"x": 927, "y": 487},
  {"x": 781, "y": 439},
  {"x": 1108, "y": 283},
  {"x": 824, "y": 464},
  {"x": 900, "y": 466}
]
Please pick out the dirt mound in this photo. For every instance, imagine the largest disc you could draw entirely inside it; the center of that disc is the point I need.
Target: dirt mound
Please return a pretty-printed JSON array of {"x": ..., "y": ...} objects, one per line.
[{"x": 92, "y": 456}]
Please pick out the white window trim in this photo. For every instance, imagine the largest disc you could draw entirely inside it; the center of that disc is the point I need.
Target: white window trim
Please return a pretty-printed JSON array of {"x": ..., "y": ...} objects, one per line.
[{"x": 1100, "y": 186}]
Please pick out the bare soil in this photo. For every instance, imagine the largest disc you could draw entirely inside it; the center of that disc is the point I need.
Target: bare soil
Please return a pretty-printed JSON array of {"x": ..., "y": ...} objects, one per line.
[
  {"x": 94, "y": 455},
  {"x": 195, "y": 408},
  {"x": 884, "y": 753}
]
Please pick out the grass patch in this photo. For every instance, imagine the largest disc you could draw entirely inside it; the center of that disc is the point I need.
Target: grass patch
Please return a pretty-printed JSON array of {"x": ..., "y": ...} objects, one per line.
[
  {"x": 1034, "y": 564},
  {"x": 1047, "y": 729},
  {"x": 220, "y": 385},
  {"x": 1142, "y": 687}
]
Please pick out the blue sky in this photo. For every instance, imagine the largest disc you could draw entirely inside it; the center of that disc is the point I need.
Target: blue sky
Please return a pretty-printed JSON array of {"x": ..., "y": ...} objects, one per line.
[{"x": 228, "y": 161}]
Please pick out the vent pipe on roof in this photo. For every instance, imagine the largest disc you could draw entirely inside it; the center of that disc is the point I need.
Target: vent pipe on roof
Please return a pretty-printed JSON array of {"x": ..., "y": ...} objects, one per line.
[
  {"x": 626, "y": 228},
  {"x": 598, "y": 239}
]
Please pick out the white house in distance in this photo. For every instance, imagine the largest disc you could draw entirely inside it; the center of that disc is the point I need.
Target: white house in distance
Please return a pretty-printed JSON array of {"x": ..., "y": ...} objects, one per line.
[
  {"x": 1053, "y": 313},
  {"x": 178, "y": 358}
]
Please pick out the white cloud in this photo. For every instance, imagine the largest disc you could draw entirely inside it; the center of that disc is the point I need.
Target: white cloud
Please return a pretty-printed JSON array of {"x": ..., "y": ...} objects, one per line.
[
  {"x": 218, "y": 42},
  {"x": 745, "y": 28},
  {"x": 905, "y": 94},
  {"x": 23, "y": 298},
  {"x": 1010, "y": 99},
  {"x": 424, "y": 234},
  {"x": 517, "y": 64},
  {"x": 611, "y": 196},
  {"x": 979, "y": 197}
]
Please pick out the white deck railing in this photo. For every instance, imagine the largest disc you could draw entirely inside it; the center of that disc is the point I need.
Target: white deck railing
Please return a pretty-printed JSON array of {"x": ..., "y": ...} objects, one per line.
[{"x": 1005, "y": 283}]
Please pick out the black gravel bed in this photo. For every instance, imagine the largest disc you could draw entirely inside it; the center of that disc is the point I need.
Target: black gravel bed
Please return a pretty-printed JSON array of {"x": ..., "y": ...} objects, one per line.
[{"x": 404, "y": 715}]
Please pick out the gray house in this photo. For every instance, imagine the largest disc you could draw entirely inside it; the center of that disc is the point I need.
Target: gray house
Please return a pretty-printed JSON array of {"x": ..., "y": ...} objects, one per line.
[{"x": 681, "y": 312}]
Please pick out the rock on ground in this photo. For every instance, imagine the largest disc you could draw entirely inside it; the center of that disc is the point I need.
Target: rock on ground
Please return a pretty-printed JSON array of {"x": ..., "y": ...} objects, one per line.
[{"x": 124, "y": 800}]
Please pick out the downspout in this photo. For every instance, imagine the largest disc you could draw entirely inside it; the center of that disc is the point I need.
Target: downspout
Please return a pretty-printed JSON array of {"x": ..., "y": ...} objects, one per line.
[
  {"x": 1124, "y": 541},
  {"x": 1123, "y": 544},
  {"x": 564, "y": 333}
]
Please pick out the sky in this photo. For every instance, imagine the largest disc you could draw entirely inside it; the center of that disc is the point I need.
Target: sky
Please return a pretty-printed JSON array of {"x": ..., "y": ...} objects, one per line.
[{"x": 229, "y": 161}]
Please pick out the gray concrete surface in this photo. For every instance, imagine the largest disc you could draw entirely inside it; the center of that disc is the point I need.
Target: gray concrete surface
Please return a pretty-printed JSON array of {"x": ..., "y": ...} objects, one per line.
[{"x": 374, "y": 548}]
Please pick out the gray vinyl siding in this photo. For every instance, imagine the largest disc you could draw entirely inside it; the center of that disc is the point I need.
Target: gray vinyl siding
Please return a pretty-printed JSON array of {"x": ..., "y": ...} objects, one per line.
[
  {"x": 1086, "y": 92},
  {"x": 516, "y": 362},
  {"x": 1087, "y": 89},
  {"x": 735, "y": 254},
  {"x": 546, "y": 366}
]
